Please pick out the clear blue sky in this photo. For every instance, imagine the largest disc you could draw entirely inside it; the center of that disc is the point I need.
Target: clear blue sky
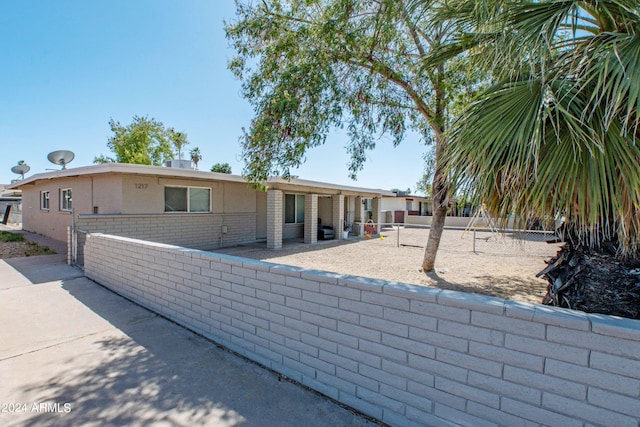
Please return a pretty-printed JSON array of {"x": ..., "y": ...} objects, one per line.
[{"x": 67, "y": 67}]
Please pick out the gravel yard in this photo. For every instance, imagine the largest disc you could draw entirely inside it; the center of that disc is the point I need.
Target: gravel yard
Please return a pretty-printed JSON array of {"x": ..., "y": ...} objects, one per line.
[
  {"x": 13, "y": 244},
  {"x": 501, "y": 265},
  {"x": 13, "y": 249}
]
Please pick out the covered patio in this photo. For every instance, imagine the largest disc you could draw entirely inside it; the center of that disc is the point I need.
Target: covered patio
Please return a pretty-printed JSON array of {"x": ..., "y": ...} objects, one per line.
[{"x": 303, "y": 210}]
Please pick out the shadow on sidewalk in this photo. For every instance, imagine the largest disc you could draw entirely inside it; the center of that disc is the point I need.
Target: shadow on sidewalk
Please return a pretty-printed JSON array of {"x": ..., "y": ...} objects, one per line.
[
  {"x": 44, "y": 268},
  {"x": 156, "y": 372}
]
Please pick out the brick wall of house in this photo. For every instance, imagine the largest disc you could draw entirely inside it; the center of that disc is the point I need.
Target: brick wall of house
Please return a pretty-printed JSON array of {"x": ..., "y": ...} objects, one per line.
[
  {"x": 404, "y": 354},
  {"x": 198, "y": 231},
  {"x": 337, "y": 214},
  {"x": 311, "y": 218},
  {"x": 275, "y": 220}
]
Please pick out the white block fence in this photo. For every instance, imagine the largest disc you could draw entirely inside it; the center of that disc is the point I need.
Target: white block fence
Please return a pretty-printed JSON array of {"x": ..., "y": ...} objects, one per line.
[{"x": 404, "y": 354}]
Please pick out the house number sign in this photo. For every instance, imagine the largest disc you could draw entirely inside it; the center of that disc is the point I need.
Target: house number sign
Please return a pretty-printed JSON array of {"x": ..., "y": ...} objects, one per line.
[{"x": 141, "y": 186}]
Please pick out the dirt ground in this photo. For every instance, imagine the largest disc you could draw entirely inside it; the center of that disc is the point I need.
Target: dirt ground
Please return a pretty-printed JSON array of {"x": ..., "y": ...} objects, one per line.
[
  {"x": 13, "y": 249},
  {"x": 502, "y": 265}
]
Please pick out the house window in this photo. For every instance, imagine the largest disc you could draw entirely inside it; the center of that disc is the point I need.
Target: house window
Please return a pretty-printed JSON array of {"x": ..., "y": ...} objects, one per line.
[
  {"x": 65, "y": 199},
  {"x": 294, "y": 208},
  {"x": 44, "y": 200},
  {"x": 187, "y": 199}
]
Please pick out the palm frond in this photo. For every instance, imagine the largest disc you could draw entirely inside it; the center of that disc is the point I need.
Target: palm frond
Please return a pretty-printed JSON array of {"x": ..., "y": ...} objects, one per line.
[{"x": 608, "y": 67}]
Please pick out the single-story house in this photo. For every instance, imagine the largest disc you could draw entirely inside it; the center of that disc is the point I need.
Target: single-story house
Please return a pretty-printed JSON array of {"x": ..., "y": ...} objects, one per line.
[
  {"x": 196, "y": 209},
  {"x": 401, "y": 204},
  {"x": 410, "y": 209}
]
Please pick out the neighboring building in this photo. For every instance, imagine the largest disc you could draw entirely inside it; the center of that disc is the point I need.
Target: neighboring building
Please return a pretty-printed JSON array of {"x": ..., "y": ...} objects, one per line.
[
  {"x": 10, "y": 205},
  {"x": 196, "y": 209},
  {"x": 409, "y": 209},
  {"x": 402, "y": 204},
  {"x": 8, "y": 191}
]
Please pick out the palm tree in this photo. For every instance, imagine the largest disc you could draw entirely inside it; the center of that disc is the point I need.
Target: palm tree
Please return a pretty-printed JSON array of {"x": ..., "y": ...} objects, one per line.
[
  {"x": 179, "y": 140},
  {"x": 195, "y": 156},
  {"x": 557, "y": 134}
]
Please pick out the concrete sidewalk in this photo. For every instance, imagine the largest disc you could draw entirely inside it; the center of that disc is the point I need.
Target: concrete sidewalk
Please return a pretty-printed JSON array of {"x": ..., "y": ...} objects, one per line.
[{"x": 74, "y": 353}]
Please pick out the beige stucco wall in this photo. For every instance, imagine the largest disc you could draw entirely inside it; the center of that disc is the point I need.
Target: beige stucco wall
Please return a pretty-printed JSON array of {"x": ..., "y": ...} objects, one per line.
[
  {"x": 142, "y": 194},
  {"x": 107, "y": 194},
  {"x": 115, "y": 194},
  {"x": 238, "y": 197},
  {"x": 393, "y": 204},
  {"x": 261, "y": 215},
  {"x": 325, "y": 210},
  {"x": 54, "y": 222},
  {"x": 145, "y": 195},
  {"x": 401, "y": 203}
]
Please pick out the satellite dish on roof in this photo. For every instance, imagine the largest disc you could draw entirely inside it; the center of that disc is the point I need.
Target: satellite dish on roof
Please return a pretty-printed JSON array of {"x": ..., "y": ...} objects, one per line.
[
  {"x": 61, "y": 157},
  {"x": 21, "y": 169}
]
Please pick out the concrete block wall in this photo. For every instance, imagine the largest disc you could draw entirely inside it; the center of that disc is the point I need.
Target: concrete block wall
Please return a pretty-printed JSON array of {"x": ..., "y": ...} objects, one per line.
[
  {"x": 404, "y": 354},
  {"x": 275, "y": 220},
  {"x": 337, "y": 215},
  {"x": 311, "y": 218},
  {"x": 199, "y": 231}
]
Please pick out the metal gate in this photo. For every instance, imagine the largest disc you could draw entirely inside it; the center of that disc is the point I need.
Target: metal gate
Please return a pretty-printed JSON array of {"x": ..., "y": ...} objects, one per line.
[{"x": 78, "y": 239}]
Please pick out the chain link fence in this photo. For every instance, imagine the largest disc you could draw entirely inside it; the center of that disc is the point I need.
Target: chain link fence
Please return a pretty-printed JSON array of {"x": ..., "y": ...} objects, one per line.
[{"x": 476, "y": 239}]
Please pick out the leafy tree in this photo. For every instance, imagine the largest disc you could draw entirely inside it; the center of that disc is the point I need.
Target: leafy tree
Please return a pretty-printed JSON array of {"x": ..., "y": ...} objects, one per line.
[
  {"x": 308, "y": 67},
  {"x": 196, "y": 156},
  {"x": 423, "y": 186},
  {"x": 558, "y": 133},
  {"x": 221, "y": 168},
  {"x": 144, "y": 141}
]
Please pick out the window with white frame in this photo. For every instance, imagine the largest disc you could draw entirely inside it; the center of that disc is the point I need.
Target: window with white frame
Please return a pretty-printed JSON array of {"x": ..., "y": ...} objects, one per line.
[
  {"x": 187, "y": 199},
  {"x": 66, "y": 199},
  {"x": 44, "y": 200},
  {"x": 294, "y": 208}
]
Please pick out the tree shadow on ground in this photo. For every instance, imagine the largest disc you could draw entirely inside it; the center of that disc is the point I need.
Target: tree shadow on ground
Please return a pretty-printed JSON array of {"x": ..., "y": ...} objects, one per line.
[
  {"x": 259, "y": 251},
  {"x": 149, "y": 371},
  {"x": 129, "y": 386},
  {"x": 506, "y": 287}
]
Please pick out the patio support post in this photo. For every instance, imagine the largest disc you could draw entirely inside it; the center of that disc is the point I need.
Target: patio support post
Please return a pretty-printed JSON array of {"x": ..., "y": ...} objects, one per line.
[
  {"x": 359, "y": 214},
  {"x": 337, "y": 215},
  {"x": 310, "y": 218},
  {"x": 274, "y": 219},
  {"x": 375, "y": 207}
]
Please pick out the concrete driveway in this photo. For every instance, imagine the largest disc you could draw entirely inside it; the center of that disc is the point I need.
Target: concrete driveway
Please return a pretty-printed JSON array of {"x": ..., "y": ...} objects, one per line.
[{"x": 74, "y": 353}]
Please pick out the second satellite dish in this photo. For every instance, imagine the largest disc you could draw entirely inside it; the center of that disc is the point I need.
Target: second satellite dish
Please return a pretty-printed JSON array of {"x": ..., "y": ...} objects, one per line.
[
  {"x": 61, "y": 157},
  {"x": 21, "y": 169}
]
